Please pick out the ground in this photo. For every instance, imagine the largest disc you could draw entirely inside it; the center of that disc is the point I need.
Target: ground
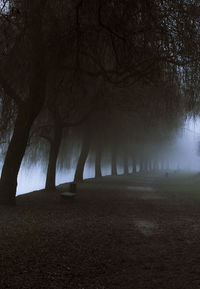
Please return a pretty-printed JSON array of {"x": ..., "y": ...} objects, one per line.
[{"x": 138, "y": 232}]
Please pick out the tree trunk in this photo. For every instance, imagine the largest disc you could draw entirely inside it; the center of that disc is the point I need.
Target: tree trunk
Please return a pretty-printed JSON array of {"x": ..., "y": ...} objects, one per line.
[
  {"x": 28, "y": 110},
  {"x": 168, "y": 166},
  {"x": 53, "y": 155},
  {"x": 162, "y": 165},
  {"x": 14, "y": 156},
  {"x": 141, "y": 165},
  {"x": 150, "y": 166},
  {"x": 155, "y": 166},
  {"x": 145, "y": 165},
  {"x": 98, "y": 163},
  {"x": 114, "y": 163},
  {"x": 133, "y": 165},
  {"x": 126, "y": 172},
  {"x": 82, "y": 159}
]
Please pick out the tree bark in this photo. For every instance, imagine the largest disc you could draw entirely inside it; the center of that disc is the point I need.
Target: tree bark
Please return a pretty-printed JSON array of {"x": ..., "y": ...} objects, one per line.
[
  {"x": 98, "y": 173},
  {"x": 126, "y": 172},
  {"x": 155, "y": 166},
  {"x": 168, "y": 165},
  {"x": 162, "y": 165},
  {"x": 82, "y": 159},
  {"x": 145, "y": 165},
  {"x": 141, "y": 165},
  {"x": 150, "y": 166},
  {"x": 53, "y": 155},
  {"x": 27, "y": 111},
  {"x": 114, "y": 162},
  {"x": 15, "y": 153},
  {"x": 133, "y": 165}
]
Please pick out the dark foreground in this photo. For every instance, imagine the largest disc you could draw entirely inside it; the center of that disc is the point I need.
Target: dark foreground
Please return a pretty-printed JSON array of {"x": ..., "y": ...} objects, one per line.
[{"x": 109, "y": 237}]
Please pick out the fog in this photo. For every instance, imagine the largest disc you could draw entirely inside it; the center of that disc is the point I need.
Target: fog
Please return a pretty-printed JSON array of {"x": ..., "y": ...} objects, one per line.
[
  {"x": 33, "y": 178},
  {"x": 182, "y": 153}
]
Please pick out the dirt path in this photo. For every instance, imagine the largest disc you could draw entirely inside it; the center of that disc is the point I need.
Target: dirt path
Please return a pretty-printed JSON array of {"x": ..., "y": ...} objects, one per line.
[{"x": 129, "y": 235}]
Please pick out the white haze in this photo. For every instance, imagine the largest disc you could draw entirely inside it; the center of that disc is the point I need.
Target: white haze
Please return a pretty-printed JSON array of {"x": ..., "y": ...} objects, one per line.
[
  {"x": 182, "y": 154},
  {"x": 185, "y": 150},
  {"x": 30, "y": 179}
]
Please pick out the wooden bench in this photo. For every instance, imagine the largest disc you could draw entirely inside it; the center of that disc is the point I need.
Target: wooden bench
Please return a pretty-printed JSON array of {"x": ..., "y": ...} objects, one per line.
[
  {"x": 67, "y": 195},
  {"x": 71, "y": 193}
]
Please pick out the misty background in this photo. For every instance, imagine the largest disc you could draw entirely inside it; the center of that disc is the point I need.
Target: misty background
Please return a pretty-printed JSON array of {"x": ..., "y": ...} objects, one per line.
[{"x": 182, "y": 155}]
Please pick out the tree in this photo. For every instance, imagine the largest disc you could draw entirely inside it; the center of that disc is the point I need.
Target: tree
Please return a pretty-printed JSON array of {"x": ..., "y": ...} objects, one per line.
[
  {"x": 78, "y": 177},
  {"x": 29, "y": 107}
]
